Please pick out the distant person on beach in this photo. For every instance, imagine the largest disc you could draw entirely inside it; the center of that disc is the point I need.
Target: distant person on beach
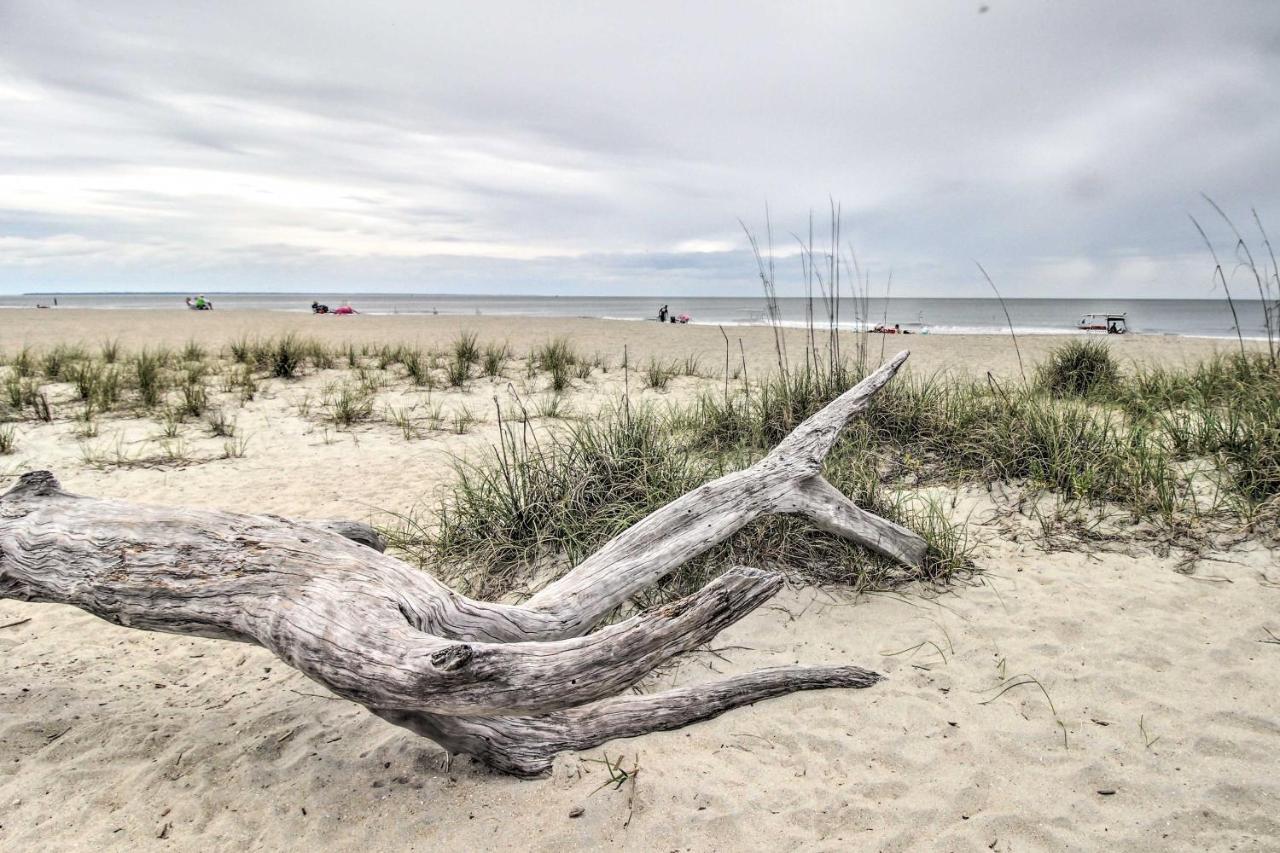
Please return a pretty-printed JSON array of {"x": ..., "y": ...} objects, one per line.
[
  {"x": 662, "y": 314},
  {"x": 200, "y": 304},
  {"x": 343, "y": 310},
  {"x": 317, "y": 308}
]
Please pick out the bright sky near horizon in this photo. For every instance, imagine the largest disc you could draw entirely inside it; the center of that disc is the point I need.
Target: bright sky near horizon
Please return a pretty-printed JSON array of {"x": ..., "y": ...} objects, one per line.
[{"x": 611, "y": 148}]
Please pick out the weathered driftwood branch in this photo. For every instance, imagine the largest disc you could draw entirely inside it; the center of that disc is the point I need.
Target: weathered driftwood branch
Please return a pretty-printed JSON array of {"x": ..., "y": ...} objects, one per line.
[{"x": 511, "y": 685}]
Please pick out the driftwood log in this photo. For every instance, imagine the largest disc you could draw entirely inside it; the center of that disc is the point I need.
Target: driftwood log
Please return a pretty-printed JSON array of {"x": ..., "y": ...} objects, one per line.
[{"x": 509, "y": 684}]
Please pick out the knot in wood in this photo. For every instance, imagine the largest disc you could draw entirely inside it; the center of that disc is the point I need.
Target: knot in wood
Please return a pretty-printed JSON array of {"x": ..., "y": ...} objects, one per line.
[
  {"x": 36, "y": 483},
  {"x": 452, "y": 658}
]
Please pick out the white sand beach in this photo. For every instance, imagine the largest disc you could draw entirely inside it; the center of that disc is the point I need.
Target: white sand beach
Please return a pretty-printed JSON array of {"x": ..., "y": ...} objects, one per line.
[{"x": 1161, "y": 733}]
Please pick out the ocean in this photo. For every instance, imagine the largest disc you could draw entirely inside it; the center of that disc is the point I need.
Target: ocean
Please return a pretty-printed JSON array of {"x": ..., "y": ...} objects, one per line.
[{"x": 1190, "y": 317}]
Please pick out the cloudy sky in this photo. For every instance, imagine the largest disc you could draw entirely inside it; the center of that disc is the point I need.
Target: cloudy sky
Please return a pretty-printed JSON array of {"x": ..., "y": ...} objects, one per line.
[{"x": 614, "y": 147}]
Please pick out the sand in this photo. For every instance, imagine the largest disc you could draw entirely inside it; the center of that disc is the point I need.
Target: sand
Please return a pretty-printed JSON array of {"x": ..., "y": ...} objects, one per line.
[
  {"x": 1166, "y": 700},
  {"x": 973, "y": 354}
]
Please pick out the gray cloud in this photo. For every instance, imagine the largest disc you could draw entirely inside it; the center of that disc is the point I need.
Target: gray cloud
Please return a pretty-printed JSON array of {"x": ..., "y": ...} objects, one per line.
[{"x": 580, "y": 148}]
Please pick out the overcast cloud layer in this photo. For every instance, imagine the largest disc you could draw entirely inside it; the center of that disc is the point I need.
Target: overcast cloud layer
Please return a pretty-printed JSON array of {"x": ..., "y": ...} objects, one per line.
[{"x": 612, "y": 148}]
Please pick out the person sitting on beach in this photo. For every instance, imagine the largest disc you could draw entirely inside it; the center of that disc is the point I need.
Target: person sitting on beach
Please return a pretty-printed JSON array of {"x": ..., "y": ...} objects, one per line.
[
  {"x": 662, "y": 314},
  {"x": 317, "y": 308},
  {"x": 344, "y": 310}
]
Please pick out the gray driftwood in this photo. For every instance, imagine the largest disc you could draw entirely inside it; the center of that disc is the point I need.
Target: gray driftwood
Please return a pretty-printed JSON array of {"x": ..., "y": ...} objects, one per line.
[{"x": 509, "y": 684}]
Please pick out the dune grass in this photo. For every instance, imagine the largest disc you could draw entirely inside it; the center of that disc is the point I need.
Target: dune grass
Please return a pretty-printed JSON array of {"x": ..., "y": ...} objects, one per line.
[
  {"x": 1079, "y": 369},
  {"x": 534, "y": 507}
]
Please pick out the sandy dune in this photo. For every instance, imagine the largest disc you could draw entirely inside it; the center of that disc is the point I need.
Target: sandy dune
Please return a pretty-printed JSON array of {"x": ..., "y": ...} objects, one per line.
[{"x": 1167, "y": 698}]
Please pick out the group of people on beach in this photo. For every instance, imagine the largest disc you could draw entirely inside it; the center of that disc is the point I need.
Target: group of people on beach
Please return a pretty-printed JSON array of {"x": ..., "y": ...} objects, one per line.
[
  {"x": 341, "y": 310},
  {"x": 199, "y": 303},
  {"x": 664, "y": 314}
]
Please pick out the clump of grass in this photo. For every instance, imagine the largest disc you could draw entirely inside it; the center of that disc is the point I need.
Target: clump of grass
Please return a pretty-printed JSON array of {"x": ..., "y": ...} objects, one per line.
[
  {"x": 8, "y": 439},
  {"x": 555, "y": 355},
  {"x": 657, "y": 375},
  {"x": 434, "y": 416},
  {"x": 463, "y": 420},
  {"x": 235, "y": 447},
  {"x": 284, "y": 357},
  {"x": 371, "y": 381},
  {"x": 60, "y": 363},
  {"x": 86, "y": 425},
  {"x": 174, "y": 450},
  {"x": 1078, "y": 369},
  {"x": 320, "y": 355},
  {"x": 110, "y": 350},
  {"x": 242, "y": 350},
  {"x": 243, "y": 382},
  {"x": 170, "y": 423},
  {"x": 148, "y": 374},
  {"x": 13, "y": 390},
  {"x": 388, "y": 355},
  {"x": 457, "y": 371},
  {"x": 118, "y": 455},
  {"x": 220, "y": 425},
  {"x": 552, "y": 406},
  {"x": 403, "y": 419},
  {"x": 494, "y": 359},
  {"x": 195, "y": 396},
  {"x": 561, "y": 377},
  {"x": 24, "y": 363},
  {"x": 85, "y": 376},
  {"x": 348, "y": 404},
  {"x": 466, "y": 348},
  {"x": 20, "y": 392},
  {"x": 418, "y": 369},
  {"x": 106, "y": 390},
  {"x": 193, "y": 351}
]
